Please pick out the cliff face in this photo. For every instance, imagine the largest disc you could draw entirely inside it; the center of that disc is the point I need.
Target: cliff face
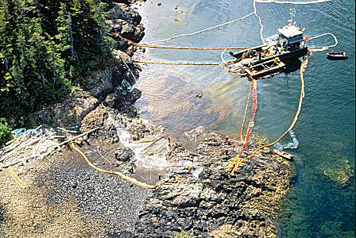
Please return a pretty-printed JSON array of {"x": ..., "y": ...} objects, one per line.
[{"x": 117, "y": 77}]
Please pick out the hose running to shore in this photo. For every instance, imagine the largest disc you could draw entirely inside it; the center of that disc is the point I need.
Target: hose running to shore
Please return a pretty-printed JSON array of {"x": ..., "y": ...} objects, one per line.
[
  {"x": 252, "y": 118},
  {"x": 121, "y": 175},
  {"x": 236, "y": 162},
  {"x": 251, "y": 123},
  {"x": 245, "y": 114},
  {"x": 16, "y": 178}
]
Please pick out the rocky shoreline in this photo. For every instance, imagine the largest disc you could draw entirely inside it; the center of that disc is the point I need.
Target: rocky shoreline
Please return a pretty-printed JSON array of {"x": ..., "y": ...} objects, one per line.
[
  {"x": 203, "y": 200},
  {"x": 194, "y": 197}
]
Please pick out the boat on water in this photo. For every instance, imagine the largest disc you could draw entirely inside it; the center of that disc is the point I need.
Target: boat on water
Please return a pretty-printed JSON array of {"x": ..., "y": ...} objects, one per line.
[
  {"x": 336, "y": 55},
  {"x": 271, "y": 58}
]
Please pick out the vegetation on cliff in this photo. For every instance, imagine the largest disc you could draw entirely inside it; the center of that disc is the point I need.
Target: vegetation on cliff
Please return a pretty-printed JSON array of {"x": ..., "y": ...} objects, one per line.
[{"x": 45, "y": 48}]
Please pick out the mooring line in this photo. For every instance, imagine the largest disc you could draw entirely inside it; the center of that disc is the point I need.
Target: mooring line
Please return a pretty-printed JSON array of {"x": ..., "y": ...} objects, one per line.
[
  {"x": 222, "y": 56},
  {"x": 216, "y": 26},
  {"x": 115, "y": 34}
]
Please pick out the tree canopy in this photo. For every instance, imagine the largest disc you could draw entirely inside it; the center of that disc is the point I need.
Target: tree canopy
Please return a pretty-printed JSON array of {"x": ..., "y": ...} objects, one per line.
[{"x": 46, "y": 46}]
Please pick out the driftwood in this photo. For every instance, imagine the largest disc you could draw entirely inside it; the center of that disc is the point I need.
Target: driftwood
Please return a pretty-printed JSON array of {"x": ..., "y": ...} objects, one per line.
[
  {"x": 33, "y": 144},
  {"x": 154, "y": 142}
]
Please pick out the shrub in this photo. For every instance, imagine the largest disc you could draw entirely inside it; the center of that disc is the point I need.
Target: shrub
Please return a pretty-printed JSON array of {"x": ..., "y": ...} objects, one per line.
[{"x": 5, "y": 131}]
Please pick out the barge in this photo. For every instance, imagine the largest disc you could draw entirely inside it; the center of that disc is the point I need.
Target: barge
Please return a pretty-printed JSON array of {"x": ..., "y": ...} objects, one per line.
[{"x": 271, "y": 58}]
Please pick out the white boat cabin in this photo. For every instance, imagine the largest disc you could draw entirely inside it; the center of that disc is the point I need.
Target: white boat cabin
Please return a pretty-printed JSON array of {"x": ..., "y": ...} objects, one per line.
[{"x": 290, "y": 37}]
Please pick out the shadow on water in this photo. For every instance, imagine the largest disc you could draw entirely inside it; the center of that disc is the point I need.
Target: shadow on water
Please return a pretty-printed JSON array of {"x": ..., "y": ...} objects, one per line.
[{"x": 292, "y": 66}]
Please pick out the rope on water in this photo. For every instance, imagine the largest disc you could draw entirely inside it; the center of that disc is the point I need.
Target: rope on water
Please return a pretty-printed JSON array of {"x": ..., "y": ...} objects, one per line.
[
  {"x": 222, "y": 56},
  {"x": 115, "y": 34},
  {"x": 203, "y": 30},
  {"x": 236, "y": 162},
  {"x": 177, "y": 63},
  {"x": 289, "y": 2},
  {"x": 259, "y": 21},
  {"x": 191, "y": 48},
  {"x": 322, "y": 48}
]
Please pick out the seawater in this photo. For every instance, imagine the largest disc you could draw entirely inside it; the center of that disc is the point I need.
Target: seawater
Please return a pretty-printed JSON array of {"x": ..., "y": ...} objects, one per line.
[{"x": 318, "y": 205}]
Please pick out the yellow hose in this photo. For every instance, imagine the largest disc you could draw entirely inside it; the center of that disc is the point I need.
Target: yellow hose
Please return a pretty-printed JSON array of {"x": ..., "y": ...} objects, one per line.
[
  {"x": 248, "y": 132},
  {"x": 121, "y": 175},
  {"x": 16, "y": 178},
  {"x": 236, "y": 162},
  {"x": 245, "y": 114}
]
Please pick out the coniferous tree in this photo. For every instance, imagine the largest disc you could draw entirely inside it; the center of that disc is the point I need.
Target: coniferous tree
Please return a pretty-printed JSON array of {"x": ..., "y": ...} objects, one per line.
[{"x": 46, "y": 46}]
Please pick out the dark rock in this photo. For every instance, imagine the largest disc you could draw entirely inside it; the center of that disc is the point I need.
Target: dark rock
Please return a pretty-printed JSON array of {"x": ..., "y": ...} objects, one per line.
[
  {"x": 124, "y": 154},
  {"x": 216, "y": 203}
]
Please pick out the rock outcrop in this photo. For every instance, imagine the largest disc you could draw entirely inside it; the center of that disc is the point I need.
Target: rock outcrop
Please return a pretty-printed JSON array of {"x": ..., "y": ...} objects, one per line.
[{"x": 204, "y": 200}]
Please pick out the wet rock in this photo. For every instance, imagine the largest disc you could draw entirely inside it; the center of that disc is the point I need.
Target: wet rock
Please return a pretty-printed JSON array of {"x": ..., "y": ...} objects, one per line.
[
  {"x": 194, "y": 134},
  {"x": 216, "y": 203},
  {"x": 124, "y": 154},
  {"x": 199, "y": 95}
]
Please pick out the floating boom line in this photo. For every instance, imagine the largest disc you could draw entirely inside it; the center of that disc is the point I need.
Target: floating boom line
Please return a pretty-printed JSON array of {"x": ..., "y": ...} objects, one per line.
[
  {"x": 115, "y": 34},
  {"x": 289, "y": 2},
  {"x": 259, "y": 21},
  {"x": 203, "y": 30},
  {"x": 322, "y": 48},
  {"x": 178, "y": 63}
]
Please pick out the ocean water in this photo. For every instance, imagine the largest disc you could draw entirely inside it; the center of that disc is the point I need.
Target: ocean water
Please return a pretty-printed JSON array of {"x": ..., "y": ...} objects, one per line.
[{"x": 321, "y": 202}]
